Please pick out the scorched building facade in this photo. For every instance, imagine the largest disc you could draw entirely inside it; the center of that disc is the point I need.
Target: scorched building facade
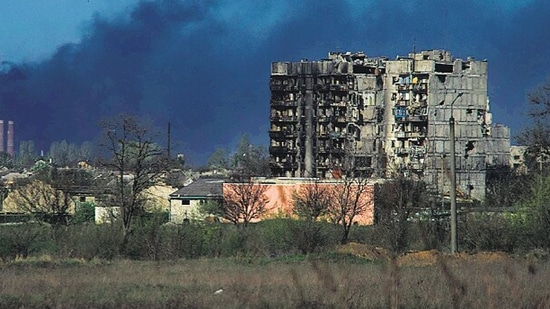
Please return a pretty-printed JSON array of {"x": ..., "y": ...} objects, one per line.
[{"x": 384, "y": 118}]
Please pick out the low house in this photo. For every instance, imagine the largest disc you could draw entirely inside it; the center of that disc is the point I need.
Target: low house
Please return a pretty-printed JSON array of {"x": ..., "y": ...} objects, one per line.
[
  {"x": 156, "y": 200},
  {"x": 6, "y": 185},
  {"x": 185, "y": 203}
]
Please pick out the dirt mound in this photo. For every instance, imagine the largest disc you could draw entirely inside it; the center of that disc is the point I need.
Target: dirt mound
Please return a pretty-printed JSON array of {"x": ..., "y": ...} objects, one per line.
[
  {"x": 364, "y": 251},
  {"x": 489, "y": 257},
  {"x": 419, "y": 258},
  {"x": 432, "y": 257}
]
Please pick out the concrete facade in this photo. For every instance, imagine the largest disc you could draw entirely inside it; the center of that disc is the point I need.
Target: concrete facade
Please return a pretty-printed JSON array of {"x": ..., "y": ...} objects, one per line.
[
  {"x": 388, "y": 117},
  {"x": 517, "y": 159}
]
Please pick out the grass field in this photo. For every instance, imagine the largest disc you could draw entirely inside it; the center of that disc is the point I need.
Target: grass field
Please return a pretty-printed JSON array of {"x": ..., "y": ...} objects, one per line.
[{"x": 421, "y": 280}]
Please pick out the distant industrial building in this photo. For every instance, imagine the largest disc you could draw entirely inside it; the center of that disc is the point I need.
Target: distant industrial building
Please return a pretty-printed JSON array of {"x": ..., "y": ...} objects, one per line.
[
  {"x": 386, "y": 117},
  {"x": 10, "y": 138}
]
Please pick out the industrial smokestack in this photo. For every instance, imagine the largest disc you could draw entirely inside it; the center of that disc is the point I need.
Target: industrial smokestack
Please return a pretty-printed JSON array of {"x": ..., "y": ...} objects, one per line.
[
  {"x": 10, "y": 149},
  {"x": 2, "y": 136}
]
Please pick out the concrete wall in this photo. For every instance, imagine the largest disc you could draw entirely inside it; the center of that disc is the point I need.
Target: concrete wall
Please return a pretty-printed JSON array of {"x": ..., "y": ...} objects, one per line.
[
  {"x": 280, "y": 196},
  {"x": 106, "y": 214},
  {"x": 179, "y": 212}
]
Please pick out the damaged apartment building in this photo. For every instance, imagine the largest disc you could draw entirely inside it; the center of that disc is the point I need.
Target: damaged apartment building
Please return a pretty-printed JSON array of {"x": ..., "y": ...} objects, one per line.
[{"x": 384, "y": 118}]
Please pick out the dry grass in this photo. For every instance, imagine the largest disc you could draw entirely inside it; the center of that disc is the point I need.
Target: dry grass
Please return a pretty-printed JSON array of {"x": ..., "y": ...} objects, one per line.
[{"x": 466, "y": 281}]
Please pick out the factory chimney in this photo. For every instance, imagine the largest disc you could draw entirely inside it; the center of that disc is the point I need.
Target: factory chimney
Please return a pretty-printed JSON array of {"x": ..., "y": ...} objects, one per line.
[
  {"x": 2, "y": 136},
  {"x": 10, "y": 149}
]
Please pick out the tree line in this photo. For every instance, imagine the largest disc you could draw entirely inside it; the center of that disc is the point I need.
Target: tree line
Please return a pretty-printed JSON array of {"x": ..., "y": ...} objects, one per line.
[{"x": 128, "y": 148}]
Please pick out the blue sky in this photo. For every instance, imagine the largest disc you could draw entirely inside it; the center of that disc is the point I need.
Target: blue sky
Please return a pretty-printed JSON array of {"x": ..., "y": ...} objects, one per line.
[{"x": 204, "y": 65}]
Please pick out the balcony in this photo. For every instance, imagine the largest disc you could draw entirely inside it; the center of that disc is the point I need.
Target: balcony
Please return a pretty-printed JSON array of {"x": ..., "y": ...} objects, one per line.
[
  {"x": 322, "y": 150},
  {"x": 282, "y": 134},
  {"x": 323, "y": 119},
  {"x": 281, "y": 149},
  {"x": 279, "y": 87},
  {"x": 283, "y": 165},
  {"x": 337, "y": 151},
  {"x": 417, "y": 118},
  {"x": 401, "y": 134},
  {"x": 339, "y": 119},
  {"x": 402, "y": 102},
  {"x": 415, "y": 135},
  {"x": 420, "y": 88},
  {"x": 283, "y": 103},
  {"x": 338, "y": 87},
  {"x": 276, "y": 134},
  {"x": 283, "y": 119},
  {"x": 337, "y": 103},
  {"x": 401, "y": 151},
  {"x": 403, "y": 87},
  {"x": 412, "y": 135}
]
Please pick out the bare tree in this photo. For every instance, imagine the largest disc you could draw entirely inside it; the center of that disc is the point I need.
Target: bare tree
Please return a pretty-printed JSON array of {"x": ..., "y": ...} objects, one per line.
[
  {"x": 395, "y": 200},
  {"x": 505, "y": 186},
  {"x": 41, "y": 199},
  {"x": 352, "y": 198},
  {"x": 312, "y": 201},
  {"x": 353, "y": 193},
  {"x": 244, "y": 202},
  {"x": 537, "y": 136},
  {"x": 137, "y": 159}
]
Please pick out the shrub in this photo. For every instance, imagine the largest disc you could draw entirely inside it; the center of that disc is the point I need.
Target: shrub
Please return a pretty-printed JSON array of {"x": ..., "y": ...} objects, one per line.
[
  {"x": 89, "y": 241},
  {"x": 22, "y": 240},
  {"x": 309, "y": 237},
  {"x": 534, "y": 213},
  {"x": 488, "y": 232},
  {"x": 85, "y": 212},
  {"x": 275, "y": 237},
  {"x": 146, "y": 239},
  {"x": 189, "y": 240}
]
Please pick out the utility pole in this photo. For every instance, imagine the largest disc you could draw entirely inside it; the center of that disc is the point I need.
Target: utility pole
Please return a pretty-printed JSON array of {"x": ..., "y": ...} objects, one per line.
[
  {"x": 453, "y": 185},
  {"x": 168, "y": 142},
  {"x": 454, "y": 242}
]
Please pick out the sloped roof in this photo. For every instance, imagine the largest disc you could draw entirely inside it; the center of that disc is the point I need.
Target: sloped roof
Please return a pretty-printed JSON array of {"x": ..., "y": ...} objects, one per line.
[
  {"x": 202, "y": 187},
  {"x": 10, "y": 177}
]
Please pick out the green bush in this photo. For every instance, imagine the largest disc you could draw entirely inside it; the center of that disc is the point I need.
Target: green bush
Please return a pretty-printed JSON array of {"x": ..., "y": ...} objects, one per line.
[
  {"x": 429, "y": 234},
  {"x": 310, "y": 237},
  {"x": 85, "y": 212},
  {"x": 488, "y": 232},
  {"x": 22, "y": 240},
  {"x": 188, "y": 241},
  {"x": 89, "y": 241},
  {"x": 534, "y": 214},
  {"x": 361, "y": 234},
  {"x": 212, "y": 236},
  {"x": 235, "y": 239},
  {"x": 275, "y": 237},
  {"x": 146, "y": 239}
]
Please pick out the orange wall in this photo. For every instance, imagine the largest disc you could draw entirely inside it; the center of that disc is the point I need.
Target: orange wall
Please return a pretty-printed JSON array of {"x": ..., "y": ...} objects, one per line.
[{"x": 280, "y": 201}]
